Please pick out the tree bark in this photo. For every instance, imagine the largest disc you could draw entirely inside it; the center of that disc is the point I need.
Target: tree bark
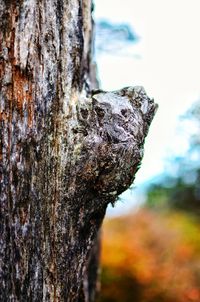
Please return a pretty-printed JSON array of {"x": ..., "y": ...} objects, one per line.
[{"x": 65, "y": 151}]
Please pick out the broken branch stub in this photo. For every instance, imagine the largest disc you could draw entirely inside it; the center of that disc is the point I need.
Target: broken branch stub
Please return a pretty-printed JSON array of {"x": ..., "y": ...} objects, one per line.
[{"x": 111, "y": 127}]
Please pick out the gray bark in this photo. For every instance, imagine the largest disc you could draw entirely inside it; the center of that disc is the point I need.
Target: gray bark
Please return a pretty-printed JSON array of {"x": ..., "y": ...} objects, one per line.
[{"x": 65, "y": 151}]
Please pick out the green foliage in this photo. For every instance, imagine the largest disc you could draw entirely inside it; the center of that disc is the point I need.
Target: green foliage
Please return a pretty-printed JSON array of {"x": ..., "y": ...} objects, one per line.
[
  {"x": 180, "y": 187},
  {"x": 179, "y": 195}
]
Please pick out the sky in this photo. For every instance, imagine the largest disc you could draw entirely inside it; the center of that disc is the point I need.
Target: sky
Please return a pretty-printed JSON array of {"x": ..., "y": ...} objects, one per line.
[{"x": 166, "y": 61}]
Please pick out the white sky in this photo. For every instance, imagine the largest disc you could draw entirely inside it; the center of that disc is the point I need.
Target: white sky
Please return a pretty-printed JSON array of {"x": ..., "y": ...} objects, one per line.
[{"x": 166, "y": 62}]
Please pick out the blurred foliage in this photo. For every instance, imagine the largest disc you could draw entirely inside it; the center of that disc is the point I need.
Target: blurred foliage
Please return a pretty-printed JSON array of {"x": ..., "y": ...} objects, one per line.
[
  {"x": 176, "y": 194},
  {"x": 151, "y": 257},
  {"x": 115, "y": 37},
  {"x": 179, "y": 187}
]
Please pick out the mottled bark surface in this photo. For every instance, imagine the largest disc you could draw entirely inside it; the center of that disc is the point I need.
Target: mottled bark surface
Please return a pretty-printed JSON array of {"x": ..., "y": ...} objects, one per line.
[{"x": 65, "y": 153}]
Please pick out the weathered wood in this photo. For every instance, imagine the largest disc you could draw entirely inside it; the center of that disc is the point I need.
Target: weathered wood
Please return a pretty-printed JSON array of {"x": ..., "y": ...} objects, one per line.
[{"x": 64, "y": 152}]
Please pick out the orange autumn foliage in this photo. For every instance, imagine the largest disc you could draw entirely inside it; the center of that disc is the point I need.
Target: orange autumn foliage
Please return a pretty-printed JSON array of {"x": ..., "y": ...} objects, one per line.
[{"x": 151, "y": 257}]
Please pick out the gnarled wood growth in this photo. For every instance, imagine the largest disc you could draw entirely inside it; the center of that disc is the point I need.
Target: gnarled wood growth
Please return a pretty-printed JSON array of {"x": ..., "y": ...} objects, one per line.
[{"x": 65, "y": 152}]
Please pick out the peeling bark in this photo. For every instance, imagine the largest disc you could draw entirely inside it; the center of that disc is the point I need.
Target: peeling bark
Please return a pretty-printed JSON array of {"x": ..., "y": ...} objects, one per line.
[{"x": 65, "y": 151}]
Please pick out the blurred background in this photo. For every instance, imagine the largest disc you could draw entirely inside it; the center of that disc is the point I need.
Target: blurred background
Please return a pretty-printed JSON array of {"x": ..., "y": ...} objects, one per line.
[{"x": 151, "y": 238}]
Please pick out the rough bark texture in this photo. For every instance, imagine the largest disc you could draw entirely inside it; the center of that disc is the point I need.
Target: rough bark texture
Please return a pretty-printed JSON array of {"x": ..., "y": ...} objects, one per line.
[{"x": 65, "y": 153}]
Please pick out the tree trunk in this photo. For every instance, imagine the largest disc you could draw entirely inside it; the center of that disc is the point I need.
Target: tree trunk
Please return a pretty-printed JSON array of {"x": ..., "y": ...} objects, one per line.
[{"x": 65, "y": 151}]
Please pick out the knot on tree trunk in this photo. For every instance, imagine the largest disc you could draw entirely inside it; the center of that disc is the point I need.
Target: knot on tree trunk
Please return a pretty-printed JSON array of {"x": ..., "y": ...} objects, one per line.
[{"x": 110, "y": 131}]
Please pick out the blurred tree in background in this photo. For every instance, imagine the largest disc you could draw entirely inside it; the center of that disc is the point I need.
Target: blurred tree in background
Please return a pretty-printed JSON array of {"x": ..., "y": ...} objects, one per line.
[
  {"x": 114, "y": 38},
  {"x": 180, "y": 189}
]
